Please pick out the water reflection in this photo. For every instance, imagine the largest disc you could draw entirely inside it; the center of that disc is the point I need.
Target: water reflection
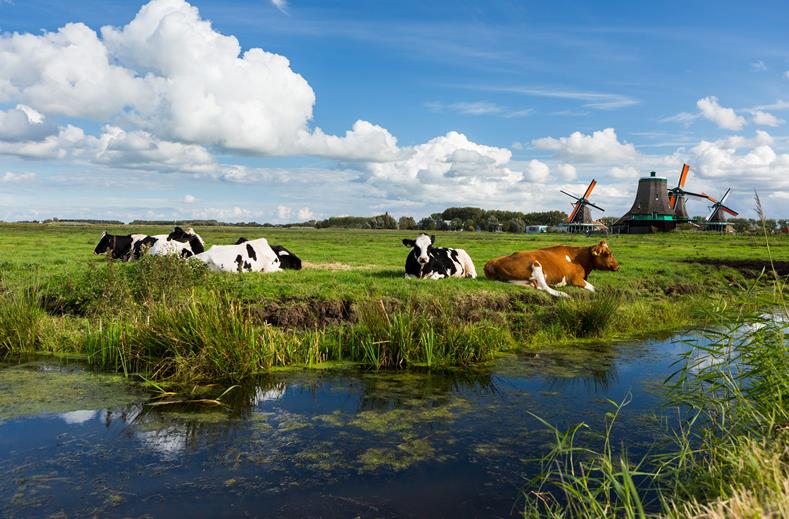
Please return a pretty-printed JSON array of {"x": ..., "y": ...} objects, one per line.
[{"x": 420, "y": 442}]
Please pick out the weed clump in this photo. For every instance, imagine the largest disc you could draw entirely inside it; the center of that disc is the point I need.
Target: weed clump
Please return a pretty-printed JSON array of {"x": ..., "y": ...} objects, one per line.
[{"x": 589, "y": 317}]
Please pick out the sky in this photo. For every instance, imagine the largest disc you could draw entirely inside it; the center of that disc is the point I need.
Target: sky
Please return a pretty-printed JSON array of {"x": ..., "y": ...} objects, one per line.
[{"x": 287, "y": 110}]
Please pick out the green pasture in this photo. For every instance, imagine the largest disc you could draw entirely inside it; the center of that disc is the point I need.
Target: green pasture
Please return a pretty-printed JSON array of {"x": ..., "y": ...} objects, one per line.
[{"x": 350, "y": 303}]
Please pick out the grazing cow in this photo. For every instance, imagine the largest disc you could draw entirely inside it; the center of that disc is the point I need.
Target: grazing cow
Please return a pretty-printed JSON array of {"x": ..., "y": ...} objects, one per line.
[
  {"x": 554, "y": 266},
  {"x": 247, "y": 256},
  {"x": 428, "y": 262},
  {"x": 179, "y": 242},
  {"x": 121, "y": 247},
  {"x": 287, "y": 260}
]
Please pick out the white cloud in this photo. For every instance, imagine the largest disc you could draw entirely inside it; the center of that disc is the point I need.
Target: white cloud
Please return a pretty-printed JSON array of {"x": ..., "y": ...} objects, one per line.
[
  {"x": 189, "y": 199},
  {"x": 23, "y": 124},
  {"x": 786, "y": 74},
  {"x": 477, "y": 108},
  {"x": 600, "y": 146},
  {"x": 627, "y": 172},
  {"x": 684, "y": 118},
  {"x": 765, "y": 119},
  {"x": 11, "y": 177},
  {"x": 725, "y": 118},
  {"x": 284, "y": 212},
  {"x": 517, "y": 146},
  {"x": 537, "y": 171},
  {"x": 758, "y": 66},
  {"x": 305, "y": 213},
  {"x": 566, "y": 171}
]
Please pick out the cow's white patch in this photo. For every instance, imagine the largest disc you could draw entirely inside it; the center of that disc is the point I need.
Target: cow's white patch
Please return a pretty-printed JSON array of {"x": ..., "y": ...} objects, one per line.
[
  {"x": 538, "y": 277},
  {"x": 467, "y": 269},
  {"x": 236, "y": 258},
  {"x": 568, "y": 258},
  {"x": 562, "y": 283},
  {"x": 422, "y": 243},
  {"x": 588, "y": 286}
]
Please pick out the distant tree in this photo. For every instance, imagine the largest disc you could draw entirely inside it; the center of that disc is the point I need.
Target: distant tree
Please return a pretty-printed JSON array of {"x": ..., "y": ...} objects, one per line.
[
  {"x": 492, "y": 224},
  {"x": 457, "y": 224},
  {"x": 515, "y": 225},
  {"x": 427, "y": 224},
  {"x": 406, "y": 223},
  {"x": 609, "y": 221},
  {"x": 470, "y": 225}
]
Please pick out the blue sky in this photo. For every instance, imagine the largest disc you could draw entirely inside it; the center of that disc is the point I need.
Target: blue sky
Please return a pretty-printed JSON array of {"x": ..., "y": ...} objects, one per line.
[{"x": 406, "y": 107}]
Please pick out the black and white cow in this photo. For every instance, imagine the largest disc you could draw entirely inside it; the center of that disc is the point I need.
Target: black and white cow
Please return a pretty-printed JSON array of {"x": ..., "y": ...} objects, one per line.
[
  {"x": 120, "y": 246},
  {"x": 428, "y": 262},
  {"x": 287, "y": 259},
  {"x": 179, "y": 242},
  {"x": 247, "y": 256}
]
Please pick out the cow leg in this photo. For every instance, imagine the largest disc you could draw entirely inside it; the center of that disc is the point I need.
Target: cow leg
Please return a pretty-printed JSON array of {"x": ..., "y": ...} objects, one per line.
[
  {"x": 538, "y": 276},
  {"x": 410, "y": 276},
  {"x": 588, "y": 286}
]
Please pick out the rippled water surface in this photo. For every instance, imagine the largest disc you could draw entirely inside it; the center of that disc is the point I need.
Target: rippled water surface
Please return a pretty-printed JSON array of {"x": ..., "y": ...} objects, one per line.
[{"x": 335, "y": 443}]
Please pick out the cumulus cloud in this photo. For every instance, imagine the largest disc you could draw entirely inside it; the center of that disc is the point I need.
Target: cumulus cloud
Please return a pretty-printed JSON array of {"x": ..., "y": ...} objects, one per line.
[
  {"x": 725, "y": 118},
  {"x": 566, "y": 171},
  {"x": 189, "y": 199},
  {"x": 766, "y": 119},
  {"x": 537, "y": 171},
  {"x": 284, "y": 212},
  {"x": 23, "y": 124},
  {"x": 602, "y": 145},
  {"x": 305, "y": 213}
]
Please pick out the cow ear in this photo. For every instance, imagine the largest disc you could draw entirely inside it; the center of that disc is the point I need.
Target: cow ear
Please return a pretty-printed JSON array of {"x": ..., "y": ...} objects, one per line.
[
  {"x": 596, "y": 250},
  {"x": 432, "y": 239},
  {"x": 603, "y": 244},
  {"x": 104, "y": 234},
  {"x": 408, "y": 243}
]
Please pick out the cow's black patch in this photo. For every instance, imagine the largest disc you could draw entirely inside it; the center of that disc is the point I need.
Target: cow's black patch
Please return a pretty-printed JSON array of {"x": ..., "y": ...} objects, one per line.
[
  {"x": 196, "y": 245},
  {"x": 442, "y": 261},
  {"x": 119, "y": 246},
  {"x": 287, "y": 260},
  {"x": 145, "y": 243},
  {"x": 239, "y": 261},
  {"x": 251, "y": 252}
]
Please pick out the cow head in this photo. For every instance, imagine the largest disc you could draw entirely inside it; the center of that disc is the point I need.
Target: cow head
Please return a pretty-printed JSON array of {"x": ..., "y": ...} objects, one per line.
[
  {"x": 195, "y": 241},
  {"x": 104, "y": 244},
  {"x": 287, "y": 260},
  {"x": 603, "y": 258},
  {"x": 422, "y": 246}
]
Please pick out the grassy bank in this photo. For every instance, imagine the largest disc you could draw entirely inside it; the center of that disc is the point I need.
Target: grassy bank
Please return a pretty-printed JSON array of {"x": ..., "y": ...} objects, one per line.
[
  {"x": 174, "y": 320},
  {"x": 728, "y": 455}
]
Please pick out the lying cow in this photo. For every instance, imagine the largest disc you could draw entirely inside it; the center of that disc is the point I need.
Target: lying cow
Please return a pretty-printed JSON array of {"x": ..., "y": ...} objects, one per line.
[
  {"x": 287, "y": 259},
  {"x": 245, "y": 256},
  {"x": 179, "y": 242},
  {"x": 554, "y": 266},
  {"x": 120, "y": 246},
  {"x": 184, "y": 244},
  {"x": 428, "y": 262}
]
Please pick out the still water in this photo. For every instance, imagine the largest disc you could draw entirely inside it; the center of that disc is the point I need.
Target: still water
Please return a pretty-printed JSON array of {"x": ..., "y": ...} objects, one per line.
[{"x": 334, "y": 443}]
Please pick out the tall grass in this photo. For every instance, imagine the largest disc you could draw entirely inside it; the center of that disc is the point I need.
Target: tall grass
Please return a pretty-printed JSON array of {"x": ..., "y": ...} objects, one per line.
[
  {"x": 589, "y": 317},
  {"x": 20, "y": 322}
]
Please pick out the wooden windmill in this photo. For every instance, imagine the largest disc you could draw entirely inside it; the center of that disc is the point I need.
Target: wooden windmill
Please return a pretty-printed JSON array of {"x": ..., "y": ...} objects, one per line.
[
  {"x": 716, "y": 220},
  {"x": 677, "y": 196},
  {"x": 580, "y": 218}
]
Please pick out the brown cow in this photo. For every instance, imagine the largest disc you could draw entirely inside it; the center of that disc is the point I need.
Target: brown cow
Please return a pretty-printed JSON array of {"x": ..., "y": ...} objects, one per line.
[{"x": 557, "y": 266}]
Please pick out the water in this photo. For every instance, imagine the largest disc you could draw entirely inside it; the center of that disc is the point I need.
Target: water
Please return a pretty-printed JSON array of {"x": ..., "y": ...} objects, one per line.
[{"x": 314, "y": 443}]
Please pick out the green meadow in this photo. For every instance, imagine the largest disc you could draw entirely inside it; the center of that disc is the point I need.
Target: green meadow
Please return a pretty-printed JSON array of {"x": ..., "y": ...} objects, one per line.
[{"x": 350, "y": 303}]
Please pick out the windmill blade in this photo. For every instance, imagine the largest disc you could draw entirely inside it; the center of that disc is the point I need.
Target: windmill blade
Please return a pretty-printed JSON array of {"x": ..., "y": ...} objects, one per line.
[
  {"x": 700, "y": 195},
  {"x": 723, "y": 198},
  {"x": 730, "y": 211},
  {"x": 595, "y": 206},
  {"x": 683, "y": 176},
  {"x": 568, "y": 194},
  {"x": 708, "y": 197},
  {"x": 589, "y": 189},
  {"x": 671, "y": 200},
  {"x": 712, "y": 213},
  {"x": 575, "y": 211}
]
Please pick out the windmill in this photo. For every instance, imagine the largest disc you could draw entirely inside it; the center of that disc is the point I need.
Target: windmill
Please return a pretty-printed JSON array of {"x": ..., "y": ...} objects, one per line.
[
  {"x": 677, "y": 195},
  {"x": 580, "y": 219},
  {"x": 716, "y": 220},
  {"x": 650, "y": 211}
]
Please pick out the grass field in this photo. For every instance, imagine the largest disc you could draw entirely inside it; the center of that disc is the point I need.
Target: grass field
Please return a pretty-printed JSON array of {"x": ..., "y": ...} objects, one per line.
[{"x": 349, "y": 303}]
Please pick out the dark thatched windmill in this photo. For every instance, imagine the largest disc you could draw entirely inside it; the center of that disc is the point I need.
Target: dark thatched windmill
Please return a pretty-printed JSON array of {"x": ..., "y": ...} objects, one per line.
[
  {"x": 677, "y": 196},
  {"x": 580, "y": 219},
  {"x": 650, "y": 211},
  {"x": 716, "y": 220}
]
